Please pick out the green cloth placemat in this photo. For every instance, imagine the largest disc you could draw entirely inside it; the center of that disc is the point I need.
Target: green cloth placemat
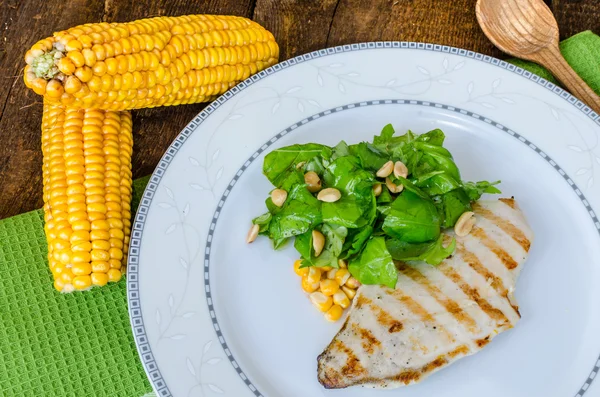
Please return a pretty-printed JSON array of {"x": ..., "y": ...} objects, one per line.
[
  {"x": 54, "y": 344},
  {"x": 582, "y": 52}
]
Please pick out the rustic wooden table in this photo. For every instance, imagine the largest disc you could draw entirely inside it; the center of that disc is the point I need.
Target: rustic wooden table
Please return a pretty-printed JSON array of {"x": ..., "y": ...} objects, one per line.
[{"x": 298, "y": 25}]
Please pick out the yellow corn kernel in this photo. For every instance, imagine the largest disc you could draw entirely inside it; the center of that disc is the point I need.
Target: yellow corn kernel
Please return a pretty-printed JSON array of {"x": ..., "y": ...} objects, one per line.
[
  {"x": 300, "y": 271},
  {"x": 309, "y": 287},
  {"x": 342, "y": 264},
  {"x": 350, "y": 293},
  {"x": 314, "y": 274},
  {"x": 321, "y": 301},
  {"x": 342, "y": 276},
  {"x": 334, "y": 313},
  {"x": 186, "y": 59},
  {"x": 329, "y": 287},
  {"x": 99, "y": 279},
  {"x": 82, "y": 282},
  {"x": 114, "y": 275},
  {"x": 340, "y": 298},
  {"x": 326, "y": 268},
  {"x": 352, "y": 283},
  {"x": 331, "y": 274},
  {"x": 85, "y": 226}
]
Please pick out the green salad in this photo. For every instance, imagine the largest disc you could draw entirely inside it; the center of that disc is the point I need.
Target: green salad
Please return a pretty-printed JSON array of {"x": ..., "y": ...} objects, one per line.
[{"x": 369, "y": 203}]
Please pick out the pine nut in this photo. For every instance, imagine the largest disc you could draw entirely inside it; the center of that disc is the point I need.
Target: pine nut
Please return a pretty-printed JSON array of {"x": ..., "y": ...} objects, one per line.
[
  {"x": 464, "y": 224},
  {"x": 392, "y": 187},
  {"x": 400, "y": 170},
  {"x": 278, "y": 196},
  {"x": 329, "y": 195},
  {"x": 300, "y": 165},
  {"x": 377, "y": 188},
  {"x": 312, "y": 181},
  {"x": 252, "y": 233},
  {"x": 385, "y": 170},
  {"x": 318, "y": 242}
]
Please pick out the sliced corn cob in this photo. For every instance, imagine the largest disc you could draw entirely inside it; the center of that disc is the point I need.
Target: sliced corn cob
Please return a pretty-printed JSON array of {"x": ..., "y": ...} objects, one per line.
[
  {"x": 150, "y": 62},
  {"x": 87, "y": 194}
]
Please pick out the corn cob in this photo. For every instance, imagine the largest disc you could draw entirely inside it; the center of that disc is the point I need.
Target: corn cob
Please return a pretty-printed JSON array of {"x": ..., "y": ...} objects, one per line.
[
  {"x": 150, "y": 62},
  {"x": 87, "y": 194}
]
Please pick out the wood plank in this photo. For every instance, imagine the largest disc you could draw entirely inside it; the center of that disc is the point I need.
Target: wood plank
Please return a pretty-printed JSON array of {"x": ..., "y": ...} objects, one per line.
[
  {"x": 26, "y": 21},
  {"x": 574, "y": 16},
  {"x": 451, "y": 23},
  {"x": 299, "y": 26}
]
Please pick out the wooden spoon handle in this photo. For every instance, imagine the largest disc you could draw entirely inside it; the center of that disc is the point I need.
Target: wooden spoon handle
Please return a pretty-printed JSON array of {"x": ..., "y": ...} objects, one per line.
[{"x": 553, "y": 60}]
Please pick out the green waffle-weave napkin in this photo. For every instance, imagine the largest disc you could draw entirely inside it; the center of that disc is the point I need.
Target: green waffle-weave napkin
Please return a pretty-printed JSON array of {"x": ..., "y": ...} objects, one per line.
[
  {"x": 55, "y": 344},
  {"x": 582, "y": 52}
]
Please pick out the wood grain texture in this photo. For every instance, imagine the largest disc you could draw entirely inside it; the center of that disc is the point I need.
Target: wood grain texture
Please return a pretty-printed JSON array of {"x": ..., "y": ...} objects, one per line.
[{"x": 298, "y": 25}]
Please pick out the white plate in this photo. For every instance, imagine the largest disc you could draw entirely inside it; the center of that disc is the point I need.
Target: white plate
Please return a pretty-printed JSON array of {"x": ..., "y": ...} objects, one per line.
[{"x": 213, "y": 316}]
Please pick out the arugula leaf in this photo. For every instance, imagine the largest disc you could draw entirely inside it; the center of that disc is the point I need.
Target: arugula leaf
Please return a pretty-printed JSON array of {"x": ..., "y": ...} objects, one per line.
[
  {"x": 280, "y": 162},
  {"x": 385, "y": 136},
  {"x": 413, "y": 219},
  {"x": 385, "y": 196},
  {"x": 476, "y": 189},
  {"x": 433, "y": 253},
  {"x": 300, "y": 213},
  {"x": 374, "y": 265}
]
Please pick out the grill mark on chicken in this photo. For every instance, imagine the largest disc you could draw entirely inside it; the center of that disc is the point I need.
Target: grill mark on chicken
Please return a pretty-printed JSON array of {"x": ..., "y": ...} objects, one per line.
[
  {"x": 369, "y": 341},
  {"x": 386, "y": 320},
  {"x": 514, "y": 232},
  {"x": 476, "y": 265},
  {"x": 411, "y": 376},
  {"x": 508, "y": 260},
  {"x": 353, "y": 368},
  {"x": 482, "y": 342},
  {"x": 419, "y": 310},
  {"x": 472, "y": 293},
  {"x": 509, "y": 201},
  {"x": 451, "y": 306}
]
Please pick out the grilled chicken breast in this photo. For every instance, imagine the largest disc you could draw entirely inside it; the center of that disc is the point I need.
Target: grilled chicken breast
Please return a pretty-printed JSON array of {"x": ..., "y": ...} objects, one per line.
[{"x": 435, "y": 315}]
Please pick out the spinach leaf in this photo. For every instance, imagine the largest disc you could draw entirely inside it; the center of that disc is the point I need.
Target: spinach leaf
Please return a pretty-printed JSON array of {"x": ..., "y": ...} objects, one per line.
[
  {"x": 356, "y": 208},
  {"x": 303, "y": 244},
  {"x": 263, "y": 222},
  {"x": 476, "y": 189},
  {"x": 434, "y": 137},
  {"x": 371, "y": 158},
  {"x": 413, "y": 219},
  {"x": 385, "y": 136},
  {"x": 452, "y": 205},
  {"x": 355, "y": 241},
  {"x": 433, "y": 252},
  {"x": 374, "y": 265},
  {"x": 334, "y": 242},
  {"x": 385, "y": 197},
  {"x": 340, "y": 150},
  {"x": 347, "y": 212},
  {"x": 280, "y": 162},
  {"x": 280, "y": 243},
  {"x": 300, "y": 213}
]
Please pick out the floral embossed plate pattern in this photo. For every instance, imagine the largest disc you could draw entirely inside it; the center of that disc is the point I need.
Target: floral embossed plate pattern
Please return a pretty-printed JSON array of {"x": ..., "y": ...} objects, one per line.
[{"x": 213, "y": 316}]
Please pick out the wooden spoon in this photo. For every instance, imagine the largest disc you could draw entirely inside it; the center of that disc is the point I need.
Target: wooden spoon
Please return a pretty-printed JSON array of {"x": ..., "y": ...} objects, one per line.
[{"x": 527, "y": 29}]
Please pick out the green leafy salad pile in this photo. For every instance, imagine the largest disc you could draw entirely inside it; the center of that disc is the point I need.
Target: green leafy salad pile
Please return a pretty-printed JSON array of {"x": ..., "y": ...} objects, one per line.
[{"x": 370, "y": 225}]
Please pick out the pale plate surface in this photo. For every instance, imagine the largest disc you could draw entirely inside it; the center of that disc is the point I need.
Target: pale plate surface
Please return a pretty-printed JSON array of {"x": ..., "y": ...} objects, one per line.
[{"x": 213, "y": 316}]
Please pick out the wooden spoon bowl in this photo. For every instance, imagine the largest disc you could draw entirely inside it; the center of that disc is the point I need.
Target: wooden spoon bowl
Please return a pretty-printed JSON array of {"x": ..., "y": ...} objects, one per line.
[{"x": 527, "y": 29}]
